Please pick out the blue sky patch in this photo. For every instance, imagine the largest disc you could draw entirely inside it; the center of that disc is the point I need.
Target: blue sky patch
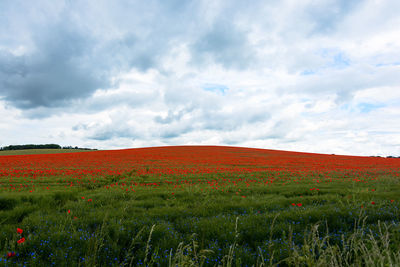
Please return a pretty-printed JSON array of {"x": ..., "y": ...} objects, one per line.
[
  {"x": 216, "y": 88},
  {"x": 368, "y": 107},
  {"x": 335, "y": 58},
  {"x": 308, "y": 72},
  {"x": 387, "y": 64},
  {"x": 340, "y": 61}
]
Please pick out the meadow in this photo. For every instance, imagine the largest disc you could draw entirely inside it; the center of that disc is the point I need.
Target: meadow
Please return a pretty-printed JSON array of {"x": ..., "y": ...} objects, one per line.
[
  {"x": 199, "y": 206},
  {"x": 40, "y": 151}
]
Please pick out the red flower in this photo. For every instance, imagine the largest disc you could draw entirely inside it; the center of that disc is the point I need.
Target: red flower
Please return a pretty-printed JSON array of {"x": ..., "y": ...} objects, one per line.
[
  {"x": 22, "y": 240},
  {"x": 293, "y": 204},
  {"x": 299, "y": 204},
  {"x": 10, "y": 255},
  {"x": 373, "y": 202},
  {"x": 392, "y": 200},
  {"x": 69, "y": 211},
  {"x": 19, "y": 230}
]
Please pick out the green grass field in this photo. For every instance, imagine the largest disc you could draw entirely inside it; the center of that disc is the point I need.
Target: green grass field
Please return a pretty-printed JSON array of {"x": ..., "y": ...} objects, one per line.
[
  {"x": 203, "y": 220},
  {"x": 39, "y": 151}
]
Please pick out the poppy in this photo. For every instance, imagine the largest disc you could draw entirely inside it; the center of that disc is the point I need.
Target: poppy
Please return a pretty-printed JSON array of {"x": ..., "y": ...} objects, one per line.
[
  {"x": 10, "y": 255},
  {"x": 299, "y": 204},
  {"x": 19, "y": 230},
  {"x": 22, "y": 240},
  {"x": 373, "y": 202}
]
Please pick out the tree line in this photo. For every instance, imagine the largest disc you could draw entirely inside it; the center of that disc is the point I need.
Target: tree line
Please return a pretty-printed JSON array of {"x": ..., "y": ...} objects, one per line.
[{"x": 44, "y": 146}]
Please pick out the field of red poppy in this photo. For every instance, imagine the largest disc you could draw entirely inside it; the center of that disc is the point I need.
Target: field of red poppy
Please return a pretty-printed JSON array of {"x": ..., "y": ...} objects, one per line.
[{"x": 199, "y": 206}]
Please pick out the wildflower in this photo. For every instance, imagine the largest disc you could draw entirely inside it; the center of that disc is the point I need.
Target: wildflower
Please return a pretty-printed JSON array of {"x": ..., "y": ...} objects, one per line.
[
  {"x": 373, "y": 202},
  {"x": 19, "y": 230},
  {"x": 293, "y": 204},
  {"x": 69, "y": 211},
  {"x": 10, "y": 255},
  {"x": 22, "y": 240},
  {"x": 392, "y": 200},
  {"x": 299, "y": 204}
]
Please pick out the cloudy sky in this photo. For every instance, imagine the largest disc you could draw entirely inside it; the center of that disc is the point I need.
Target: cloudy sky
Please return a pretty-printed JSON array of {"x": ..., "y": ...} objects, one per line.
[{"x": 313, "y": 75}]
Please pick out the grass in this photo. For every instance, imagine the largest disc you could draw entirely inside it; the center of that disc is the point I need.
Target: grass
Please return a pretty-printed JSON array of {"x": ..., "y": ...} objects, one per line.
[
  {"x": 250, "y": 224},
  {"x": 39, "y": 151},
  {"x": 236, "y": 218}
]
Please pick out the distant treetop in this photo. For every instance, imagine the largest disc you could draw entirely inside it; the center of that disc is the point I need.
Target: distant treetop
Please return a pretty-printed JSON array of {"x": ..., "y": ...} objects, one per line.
[{"x": 45, "y": 146}]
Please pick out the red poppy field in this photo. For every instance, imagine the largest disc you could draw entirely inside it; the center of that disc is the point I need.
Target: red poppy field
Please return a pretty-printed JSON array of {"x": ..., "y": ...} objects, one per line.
[{"x": 198, "y": 206}]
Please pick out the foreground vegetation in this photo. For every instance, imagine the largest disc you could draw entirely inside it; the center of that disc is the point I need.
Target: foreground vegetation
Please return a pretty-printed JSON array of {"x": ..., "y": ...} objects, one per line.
[{"x": 264, "y": 218}]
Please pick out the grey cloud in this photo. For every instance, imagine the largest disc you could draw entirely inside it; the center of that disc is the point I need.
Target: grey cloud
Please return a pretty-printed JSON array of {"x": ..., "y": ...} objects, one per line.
[
  {"x": 130, "y": 99},
  {"x": 174, "y": 115},
  {"x": 63, "y": 68},
  {"x": 175, "y": 130},
  {"x": 224, "y": 44},
  {"x": 344, "y": 83},
  {"x": 71, "y": 57},
  {"x": 69, "y": 66},
  {"x": 232, "y": 141},
  {"x": 132, "y": 51},
  {"x": 80, "y": 126},
  {"x": 116, "y": 124},
  {"x": 169, "y": 118},
  {"x": 325, "y": 15},
  {"x": 237, "y": 118},
  {"x": 344, "y": 96},
  {"x": 279, "y": 130},
  {"x": 210, "y": 111},
  {"x": 110, "y": 131},
  {"x": 107, "y": 134},
  {"x": 202, "y": 118}
]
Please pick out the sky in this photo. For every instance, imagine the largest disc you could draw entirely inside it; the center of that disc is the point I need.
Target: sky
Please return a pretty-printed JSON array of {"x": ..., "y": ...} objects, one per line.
[{"x": 314, "y": 75}]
